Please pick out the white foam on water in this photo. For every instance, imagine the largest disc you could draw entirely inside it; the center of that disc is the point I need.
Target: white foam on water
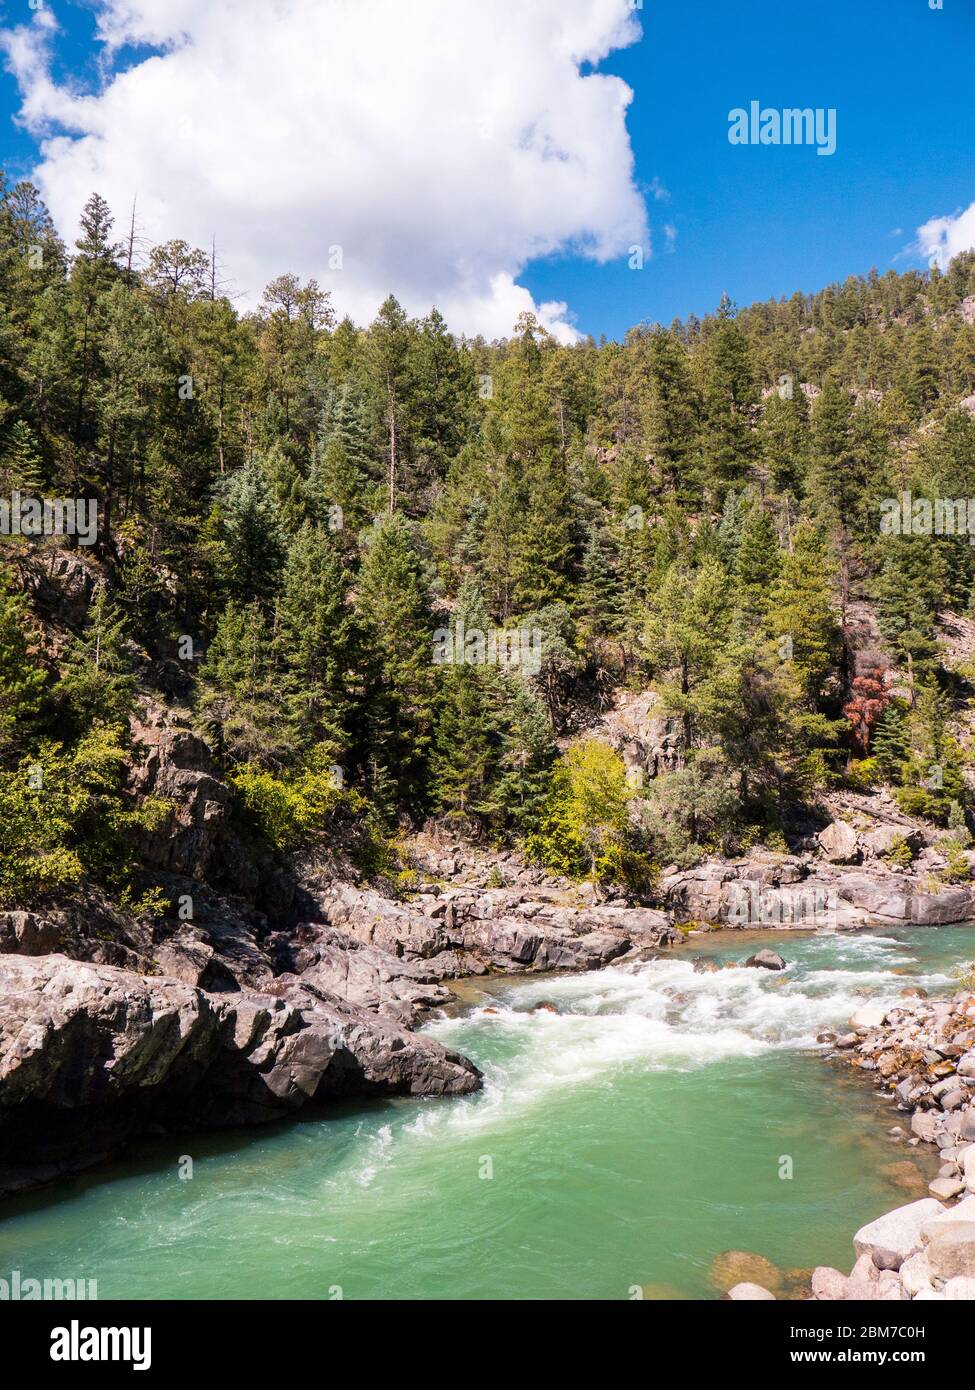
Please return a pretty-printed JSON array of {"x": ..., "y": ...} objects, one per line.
[{"x": 651, "y": 1016}]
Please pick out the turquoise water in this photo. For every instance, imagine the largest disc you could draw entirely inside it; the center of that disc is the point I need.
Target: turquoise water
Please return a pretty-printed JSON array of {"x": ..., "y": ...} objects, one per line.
[{"x": 622, "y": 1143}]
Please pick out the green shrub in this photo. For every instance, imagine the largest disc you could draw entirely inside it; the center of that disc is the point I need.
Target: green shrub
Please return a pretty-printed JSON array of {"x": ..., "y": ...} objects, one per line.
[
  {"x": 584, "y": 820},
  {"x": 924, "y": 805},
  {"x": 291, "y": 814},
  {"x": 864, "y": 774},
  {"x": 900, "y": 853},
  {"x": 958, "y": 869},
  {"x": 65, "y": 815}
]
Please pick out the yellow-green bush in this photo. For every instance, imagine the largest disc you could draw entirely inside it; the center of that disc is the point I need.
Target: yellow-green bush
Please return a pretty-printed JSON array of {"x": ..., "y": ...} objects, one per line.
[
  {"x": 584, "y": 821},
  {"x": 65, "y": 815}
]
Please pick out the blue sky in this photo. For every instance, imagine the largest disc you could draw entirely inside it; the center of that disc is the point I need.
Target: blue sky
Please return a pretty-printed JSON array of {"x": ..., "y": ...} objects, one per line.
[
  {"x": 766, "y": 221},
  {"x": 753, "y": 221}
]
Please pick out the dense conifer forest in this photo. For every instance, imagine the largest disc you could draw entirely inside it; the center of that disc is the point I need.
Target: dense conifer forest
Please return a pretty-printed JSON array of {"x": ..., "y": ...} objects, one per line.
[{"x": 293, "y": 510}]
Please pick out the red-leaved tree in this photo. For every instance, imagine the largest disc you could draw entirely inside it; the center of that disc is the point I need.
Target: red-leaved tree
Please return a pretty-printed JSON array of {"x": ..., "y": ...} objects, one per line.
[{"x": 870, "y": 699}]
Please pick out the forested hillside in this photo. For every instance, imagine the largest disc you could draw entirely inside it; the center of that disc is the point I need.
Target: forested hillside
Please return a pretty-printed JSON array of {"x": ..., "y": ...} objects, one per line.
[{"x": 291, "y": 507}]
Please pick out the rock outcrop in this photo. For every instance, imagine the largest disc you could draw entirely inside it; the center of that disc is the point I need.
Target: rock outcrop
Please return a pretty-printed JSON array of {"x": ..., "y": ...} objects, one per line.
[
  {"x": 464, "y": 929},
  {"x": 91, "y": 1055},
  {"x": 794, "y": 892}
]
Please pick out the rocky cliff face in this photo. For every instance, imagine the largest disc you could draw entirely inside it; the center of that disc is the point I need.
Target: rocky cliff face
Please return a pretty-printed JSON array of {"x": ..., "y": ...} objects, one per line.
[{"x": 91, "y": 1055}]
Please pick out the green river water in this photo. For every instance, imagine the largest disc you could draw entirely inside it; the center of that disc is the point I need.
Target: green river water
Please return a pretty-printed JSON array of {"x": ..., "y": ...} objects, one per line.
[{"x": 624, "y": 1142}]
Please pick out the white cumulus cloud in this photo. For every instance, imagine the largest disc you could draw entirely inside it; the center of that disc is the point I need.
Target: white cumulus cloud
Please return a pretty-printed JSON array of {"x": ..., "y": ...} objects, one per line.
[
  {"x": 442, "y": 144},
  {"x": 945, "y": 237}
]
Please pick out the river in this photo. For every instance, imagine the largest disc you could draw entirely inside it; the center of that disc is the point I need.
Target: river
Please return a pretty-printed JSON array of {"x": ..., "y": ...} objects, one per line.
[{"x": 662, "y": 1117}]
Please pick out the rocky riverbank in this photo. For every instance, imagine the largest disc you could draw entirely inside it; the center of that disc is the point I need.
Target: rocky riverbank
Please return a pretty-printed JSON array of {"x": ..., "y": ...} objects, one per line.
[
  {"x": 290, "y": 987},
  {"x": 921, "y": 1053},
  {"x": 109, "y": 1030}
]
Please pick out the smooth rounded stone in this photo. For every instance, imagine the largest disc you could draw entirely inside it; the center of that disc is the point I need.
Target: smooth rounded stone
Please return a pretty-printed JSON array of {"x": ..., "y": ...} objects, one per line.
[
  {"x": 868, "y": 1017},
  {"x": 966, "y": 1064},
  {"x": 966, "y": 1130},
  {"x": 894, "y": 1237},
  {"x": 915, "y": 1274},
  {"x": 828, "y": 1284},
  {"x": 926, "y": 1125},
  {"x": 914, "y": 992},
  {"x": 890, "y": 1289},
  {"x": 545, "y": 1006},
  {"x": 733, "y": 1267},
  {"x": 950, "y": 1241},
  {"x": 766, "y": 960},
  {"x": 951, "y": 1100},
  {"x": 929, "y": 1296},
  {"x": 750, "y": 1293},
  {"x": 847, "y": 1040},
  {"x": 946, "y": 1188},
  {"x": 960, "y": 1289}
]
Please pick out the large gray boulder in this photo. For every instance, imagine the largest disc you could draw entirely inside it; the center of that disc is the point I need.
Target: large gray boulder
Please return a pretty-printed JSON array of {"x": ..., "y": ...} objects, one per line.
[
  {"x": 766, "y": 960},
  {"x": 839, "y": 843},
  {"x": 74, "y": 1034},
  {"x": 342, "y": 966},
  {"x": 896, "y": 1236},
  {"x": 25, "y": 934}
]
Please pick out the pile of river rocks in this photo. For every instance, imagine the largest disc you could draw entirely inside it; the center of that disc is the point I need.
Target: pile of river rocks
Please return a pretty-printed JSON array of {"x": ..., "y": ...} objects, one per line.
[
  {"x": 923, "y": 1251},
  {"x": 922, "y": 1053}
]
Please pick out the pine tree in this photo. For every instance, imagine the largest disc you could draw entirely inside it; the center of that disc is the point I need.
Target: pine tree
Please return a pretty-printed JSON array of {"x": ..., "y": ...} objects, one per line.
[
  {"x": 253, "y": 534},
  {"x": 670, "y": 414},
  {"x": 238, "y": 698},
  {"x": 757, "y": 562},
  {"x": 21, "y": 465},
  {"x": 889, "y": 747},
  {"x": 289, "y": 488},
  {"x": 393, "y": 604},
  {"x": 342, "y": 464},
  {"x": 800, "y": 619},
  {"x": 462, "y": 756},
  {"x": 525, "y": 759},
  {"x": 785, "y": 441},
  {"x": 316, "y": 642},
  {"x": 22, "y": 679},
  {"x": 96, "y": 681},
  {"x": 600, "y": 599},
  {"x": 835, "y": 476},
  {"x": 730, "y": 529},
  {"x": 688, "y": 622},
  {"x": 390, "y": 343},
  {"x": 543, "y": 550},
  {"x": 909, "y": 589},
  {"x": 729, "y": 395}
]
